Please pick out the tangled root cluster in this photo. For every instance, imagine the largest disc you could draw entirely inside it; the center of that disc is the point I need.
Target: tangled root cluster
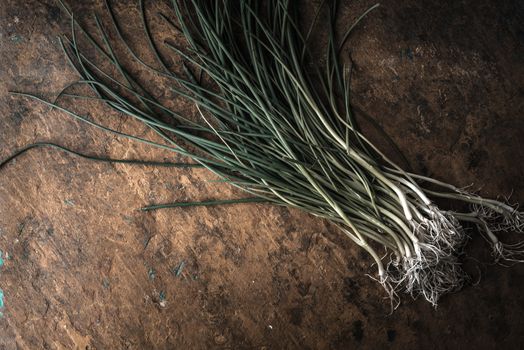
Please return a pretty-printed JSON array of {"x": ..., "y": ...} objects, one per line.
[{"x": 435, "y": 270}]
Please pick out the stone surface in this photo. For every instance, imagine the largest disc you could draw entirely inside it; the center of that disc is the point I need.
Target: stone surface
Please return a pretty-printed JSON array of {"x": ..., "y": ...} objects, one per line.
[{"x": 84, "y": 269}]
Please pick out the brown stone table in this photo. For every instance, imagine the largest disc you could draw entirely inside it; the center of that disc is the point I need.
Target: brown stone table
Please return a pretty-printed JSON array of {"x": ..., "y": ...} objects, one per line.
[{"x": 86, "y": 270}]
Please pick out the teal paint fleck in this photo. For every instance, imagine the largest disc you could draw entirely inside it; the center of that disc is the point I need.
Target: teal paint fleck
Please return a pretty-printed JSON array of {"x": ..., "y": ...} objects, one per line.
[
  {"x": 16, "y": 38},
  {"x": 407, "y": 53},
  {"x": 1, "y": 299},
  {"x": 151, "y": 273},
  {"x": 162, "y": 295},
  {"x": 179, "y": 269},
  {"x": 1, "y": 260}
]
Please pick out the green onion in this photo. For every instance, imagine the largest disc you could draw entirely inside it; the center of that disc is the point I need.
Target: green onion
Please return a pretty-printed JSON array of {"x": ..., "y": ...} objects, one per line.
[{"x": 284, "y": 133}]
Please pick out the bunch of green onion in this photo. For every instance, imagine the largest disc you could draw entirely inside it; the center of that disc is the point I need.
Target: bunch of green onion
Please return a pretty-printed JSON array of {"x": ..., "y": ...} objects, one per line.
[{"x": 284, "y": 133}]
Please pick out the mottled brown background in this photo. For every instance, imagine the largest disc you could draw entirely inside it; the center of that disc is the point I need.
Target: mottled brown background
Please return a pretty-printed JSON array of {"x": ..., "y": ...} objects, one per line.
[{"x": 88, "y": 271}]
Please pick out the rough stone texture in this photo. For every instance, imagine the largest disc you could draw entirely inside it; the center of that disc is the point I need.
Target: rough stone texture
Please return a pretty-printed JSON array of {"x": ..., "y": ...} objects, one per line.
[{"x": 86, "y": 270}]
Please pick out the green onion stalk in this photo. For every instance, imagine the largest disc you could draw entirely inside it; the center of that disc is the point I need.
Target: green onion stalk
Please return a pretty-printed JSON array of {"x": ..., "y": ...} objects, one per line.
[{"x": 275, "y": 124}]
